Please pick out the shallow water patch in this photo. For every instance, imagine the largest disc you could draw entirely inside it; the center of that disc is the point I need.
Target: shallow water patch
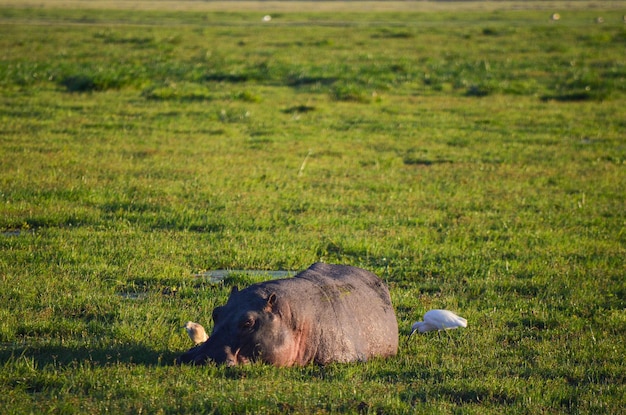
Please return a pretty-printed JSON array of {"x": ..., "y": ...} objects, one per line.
[{"x": 218, "y": 275}]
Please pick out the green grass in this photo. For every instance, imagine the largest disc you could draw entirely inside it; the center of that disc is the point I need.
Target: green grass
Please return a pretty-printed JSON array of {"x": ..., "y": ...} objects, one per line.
[{"x": 476, "y": 162}]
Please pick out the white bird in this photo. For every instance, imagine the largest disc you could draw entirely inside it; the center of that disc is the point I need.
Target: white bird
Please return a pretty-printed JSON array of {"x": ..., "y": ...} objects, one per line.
[
  {"x": 196, "y": 332},
  {"x": 438, "y": 320}
]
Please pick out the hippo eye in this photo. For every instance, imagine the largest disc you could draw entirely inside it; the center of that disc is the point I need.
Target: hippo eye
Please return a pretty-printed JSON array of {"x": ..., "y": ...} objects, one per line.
[{"x": 247, "y": 324}]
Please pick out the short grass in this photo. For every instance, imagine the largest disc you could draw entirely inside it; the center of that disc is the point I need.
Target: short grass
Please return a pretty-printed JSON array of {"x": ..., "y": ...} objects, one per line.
[{"x": 474, "y": 161}]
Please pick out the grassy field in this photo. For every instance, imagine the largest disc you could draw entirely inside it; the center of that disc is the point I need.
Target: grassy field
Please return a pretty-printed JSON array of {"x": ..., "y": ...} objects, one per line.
[{"x": 476, "y": 161}]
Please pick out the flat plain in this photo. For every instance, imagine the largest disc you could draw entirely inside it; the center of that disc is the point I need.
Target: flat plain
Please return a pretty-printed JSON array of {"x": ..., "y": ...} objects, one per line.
[{"x": 474, "y": 160}]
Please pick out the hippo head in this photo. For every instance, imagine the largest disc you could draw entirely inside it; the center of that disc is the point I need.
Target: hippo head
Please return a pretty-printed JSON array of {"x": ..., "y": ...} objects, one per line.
[{"x": 252, "y": 325}]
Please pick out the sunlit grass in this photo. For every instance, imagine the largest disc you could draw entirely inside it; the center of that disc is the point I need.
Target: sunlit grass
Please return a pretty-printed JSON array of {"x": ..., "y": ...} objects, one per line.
[{"x": 476, "y": 166}]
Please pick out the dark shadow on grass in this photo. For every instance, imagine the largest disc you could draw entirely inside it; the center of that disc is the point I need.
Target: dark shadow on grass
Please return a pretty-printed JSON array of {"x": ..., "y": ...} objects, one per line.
[
  {"x": 229, "y": 77},
  {"x": 571, "y": 97},
  {"x": 298, "y": 109},
  {"x": 66, "y": 355},
  {"x": 416, "y": 161},
  {"x": 297, "y": 81}
]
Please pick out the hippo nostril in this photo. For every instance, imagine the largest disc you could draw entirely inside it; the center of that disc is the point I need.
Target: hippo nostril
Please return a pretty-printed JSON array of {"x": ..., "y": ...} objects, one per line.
[{"x": 231, "y": 358}]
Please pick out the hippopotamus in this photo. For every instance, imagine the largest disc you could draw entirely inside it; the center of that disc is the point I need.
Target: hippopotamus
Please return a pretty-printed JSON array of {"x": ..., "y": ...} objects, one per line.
[{"x": 327, "y": 313}]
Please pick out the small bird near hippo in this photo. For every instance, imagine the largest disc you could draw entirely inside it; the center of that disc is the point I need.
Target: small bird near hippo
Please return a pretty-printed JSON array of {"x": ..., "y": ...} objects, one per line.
[
  {"x": 196, "y": 332},
  {"x": 438, "y": 320}
]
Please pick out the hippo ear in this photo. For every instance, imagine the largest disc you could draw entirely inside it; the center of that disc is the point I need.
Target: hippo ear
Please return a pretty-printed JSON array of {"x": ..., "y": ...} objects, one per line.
[
  {"x": 271, "y": 300},
  {"x": 234, "y": 290}
]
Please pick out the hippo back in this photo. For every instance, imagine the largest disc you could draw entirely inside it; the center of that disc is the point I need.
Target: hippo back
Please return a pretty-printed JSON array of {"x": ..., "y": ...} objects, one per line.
[{"x": 356, "y": 320}]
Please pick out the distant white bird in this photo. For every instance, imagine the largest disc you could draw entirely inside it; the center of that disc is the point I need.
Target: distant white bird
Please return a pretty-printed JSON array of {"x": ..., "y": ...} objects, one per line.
[
  {"x": 267, "y": 18},
  {"x": 196, "y": 332},
  {"x": 438, "y": 320}
]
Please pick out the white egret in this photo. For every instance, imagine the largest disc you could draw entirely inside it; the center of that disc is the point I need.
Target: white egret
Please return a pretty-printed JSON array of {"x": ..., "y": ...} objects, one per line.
[
  {"x": 438, "y": 320},
  {"x": 196, "y": 332}
]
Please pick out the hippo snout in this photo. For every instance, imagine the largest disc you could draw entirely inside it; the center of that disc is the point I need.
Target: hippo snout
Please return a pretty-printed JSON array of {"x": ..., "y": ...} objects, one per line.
[{"x": 217, "y": 352}]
